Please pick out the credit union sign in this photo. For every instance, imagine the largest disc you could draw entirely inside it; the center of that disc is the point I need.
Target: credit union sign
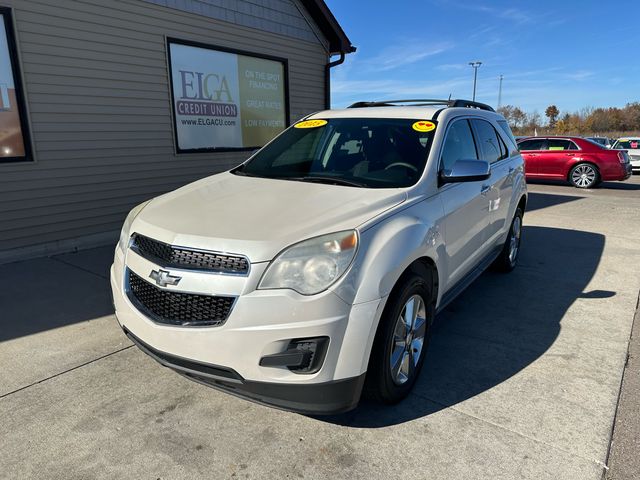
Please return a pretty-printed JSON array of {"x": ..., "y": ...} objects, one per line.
[{"x": 225, "y": 100}]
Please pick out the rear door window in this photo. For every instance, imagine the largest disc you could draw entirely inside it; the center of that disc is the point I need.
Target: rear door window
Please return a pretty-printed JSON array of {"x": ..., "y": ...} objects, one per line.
[
  {"x": 492, "y": 148},
  {"x": 560, "y": 144},
  {"x": 505, "y": 128}
]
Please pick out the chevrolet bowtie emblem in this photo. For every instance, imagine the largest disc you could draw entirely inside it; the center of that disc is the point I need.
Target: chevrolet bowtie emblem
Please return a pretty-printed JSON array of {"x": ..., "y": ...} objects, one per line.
[{"x": 164, "y": 278}]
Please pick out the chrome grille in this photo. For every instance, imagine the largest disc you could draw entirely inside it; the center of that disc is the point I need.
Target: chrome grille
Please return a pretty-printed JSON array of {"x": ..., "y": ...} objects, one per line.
[
  {"x": 177, "y": 308},
  {"x": 180, "y": 257}
]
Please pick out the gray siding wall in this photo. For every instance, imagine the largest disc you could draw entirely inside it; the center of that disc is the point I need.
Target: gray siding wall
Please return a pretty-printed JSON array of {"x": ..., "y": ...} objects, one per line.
[
  {"x": 96, "y": 82},
  {"x": 284, "y": 17}
]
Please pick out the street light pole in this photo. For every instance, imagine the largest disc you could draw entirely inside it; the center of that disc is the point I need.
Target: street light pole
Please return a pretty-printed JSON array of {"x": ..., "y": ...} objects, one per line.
[
  {"x": 500, "y": 93},
  {"x": 475, "y": 66}
]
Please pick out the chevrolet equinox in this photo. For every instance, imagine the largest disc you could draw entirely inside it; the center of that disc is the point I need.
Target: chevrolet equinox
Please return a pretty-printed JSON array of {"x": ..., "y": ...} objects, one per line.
[{"x": 311, "y": 273}]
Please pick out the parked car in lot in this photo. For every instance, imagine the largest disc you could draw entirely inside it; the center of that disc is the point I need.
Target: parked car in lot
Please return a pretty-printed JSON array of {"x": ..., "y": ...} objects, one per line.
[
  {"x": 314, "y": 270},
  {"x": 604, "y": 141},
  {"x": 632, "y": 146},
  {"x": 581, "y": 162}
]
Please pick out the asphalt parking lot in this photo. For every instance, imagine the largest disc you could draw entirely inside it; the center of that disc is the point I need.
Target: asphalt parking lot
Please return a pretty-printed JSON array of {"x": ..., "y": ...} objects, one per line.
[{"x": 522, "y": 378}]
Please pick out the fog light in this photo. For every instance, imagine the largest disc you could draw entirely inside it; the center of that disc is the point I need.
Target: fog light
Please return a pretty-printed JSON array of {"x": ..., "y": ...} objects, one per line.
[{"x": 303, "y": 356}]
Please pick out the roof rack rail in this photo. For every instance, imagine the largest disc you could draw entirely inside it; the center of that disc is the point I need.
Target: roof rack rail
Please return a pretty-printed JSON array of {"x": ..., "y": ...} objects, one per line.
[
  {"x": 470, "y": 104},
  {"x": 421, "y": 102},
  {"x": 391, "y": 103}
]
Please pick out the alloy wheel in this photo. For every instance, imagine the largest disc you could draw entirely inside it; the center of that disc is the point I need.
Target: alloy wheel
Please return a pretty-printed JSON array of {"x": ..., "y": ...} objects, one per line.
[
  {"x": 408, "y": 340},
  {"x": 514, "y": 240},
  {"x": 584, "y": 176}
]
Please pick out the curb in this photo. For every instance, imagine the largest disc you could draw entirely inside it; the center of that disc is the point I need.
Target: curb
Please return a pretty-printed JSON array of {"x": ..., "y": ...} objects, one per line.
[{"x": 623, "y": 462}]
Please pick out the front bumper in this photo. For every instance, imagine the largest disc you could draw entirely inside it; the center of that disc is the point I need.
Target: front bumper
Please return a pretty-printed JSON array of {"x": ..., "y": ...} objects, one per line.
[
  {"x": 321, "y": 398},
  {"x": 261, "y": 323}
]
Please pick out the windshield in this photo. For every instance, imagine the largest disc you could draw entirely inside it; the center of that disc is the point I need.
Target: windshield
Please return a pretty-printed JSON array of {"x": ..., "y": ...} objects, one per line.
[
  {"x": 633, "y": 144},
  {"x": 358, "y": 152}
]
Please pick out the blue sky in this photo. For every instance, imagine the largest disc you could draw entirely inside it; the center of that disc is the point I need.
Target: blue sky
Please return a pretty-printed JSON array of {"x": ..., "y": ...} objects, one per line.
[{"x": 572, "y": 53}]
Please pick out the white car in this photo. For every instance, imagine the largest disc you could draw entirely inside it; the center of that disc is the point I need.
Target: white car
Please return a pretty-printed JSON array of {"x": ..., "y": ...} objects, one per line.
[
  {"x": 314, "y": 270},
  {"x": 632, "y": 146}
]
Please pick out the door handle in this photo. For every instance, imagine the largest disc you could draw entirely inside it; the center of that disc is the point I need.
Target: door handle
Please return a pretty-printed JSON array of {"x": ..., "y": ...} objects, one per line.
[
  {"x": 511, "y": 169},
  {"x": 485, "y": 189},
  {"x": 571, "y": 154}
]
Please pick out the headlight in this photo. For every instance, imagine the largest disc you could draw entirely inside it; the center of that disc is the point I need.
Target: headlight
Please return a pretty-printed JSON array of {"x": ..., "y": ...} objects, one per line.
[
  {"x": 123, "y": 243},
  {"x": 311, "y": 266}
]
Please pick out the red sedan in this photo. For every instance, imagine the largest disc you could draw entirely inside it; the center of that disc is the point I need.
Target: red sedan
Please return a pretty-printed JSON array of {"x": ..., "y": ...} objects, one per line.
[{"x": 577, "y": 160}]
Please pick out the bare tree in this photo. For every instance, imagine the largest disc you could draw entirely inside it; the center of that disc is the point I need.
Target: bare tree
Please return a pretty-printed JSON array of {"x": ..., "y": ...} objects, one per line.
[
  {"x": 534, "y": 121},
  {"x": 519, "y": 118}
]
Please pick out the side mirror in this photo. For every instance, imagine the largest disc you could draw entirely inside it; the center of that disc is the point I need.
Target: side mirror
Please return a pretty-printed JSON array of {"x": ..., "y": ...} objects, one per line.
[{"x": 466, "y": 171}]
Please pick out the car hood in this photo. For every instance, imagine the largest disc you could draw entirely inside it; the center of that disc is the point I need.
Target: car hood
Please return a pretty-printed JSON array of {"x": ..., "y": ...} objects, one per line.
[{"x": 258, "y": 217}]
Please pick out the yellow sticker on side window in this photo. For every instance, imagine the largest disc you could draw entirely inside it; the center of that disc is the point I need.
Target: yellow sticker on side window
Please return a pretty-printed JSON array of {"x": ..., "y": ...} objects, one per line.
[
  {"x": 556, "y": 148},
  {"x": 310, "y": 124},
  {"x": 423, "y": 126}
]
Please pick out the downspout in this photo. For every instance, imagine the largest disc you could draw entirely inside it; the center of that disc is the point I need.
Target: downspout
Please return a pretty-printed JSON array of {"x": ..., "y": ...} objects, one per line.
[{"x": 327, "y": 79}]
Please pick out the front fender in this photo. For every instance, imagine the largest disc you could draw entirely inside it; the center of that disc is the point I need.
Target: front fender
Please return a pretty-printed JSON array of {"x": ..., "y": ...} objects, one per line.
[{"x": 389, "y": 247}]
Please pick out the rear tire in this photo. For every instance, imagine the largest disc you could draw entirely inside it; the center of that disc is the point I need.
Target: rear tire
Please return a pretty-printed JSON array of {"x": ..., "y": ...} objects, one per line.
[
  {"x": 402, "y": 338},
  {"x": 584, "y": 175},
  {"x": 508, "y": 258}
]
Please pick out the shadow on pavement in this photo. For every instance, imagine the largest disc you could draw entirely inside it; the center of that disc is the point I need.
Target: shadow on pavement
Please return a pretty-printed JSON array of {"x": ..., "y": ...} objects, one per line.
[
  {"x": 538, "y": 201},
  {"x": 497, "y": 327},
  {"x": 46, "y": 293},
  {"x": 622, "y": 185}
]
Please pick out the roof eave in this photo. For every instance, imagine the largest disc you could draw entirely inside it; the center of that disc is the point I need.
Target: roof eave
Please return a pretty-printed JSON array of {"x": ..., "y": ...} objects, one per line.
[{"x": 329, "y": 26}]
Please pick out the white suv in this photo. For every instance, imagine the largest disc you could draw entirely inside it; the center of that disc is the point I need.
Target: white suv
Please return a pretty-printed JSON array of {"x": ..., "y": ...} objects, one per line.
[{"x": 313, "y": 271}]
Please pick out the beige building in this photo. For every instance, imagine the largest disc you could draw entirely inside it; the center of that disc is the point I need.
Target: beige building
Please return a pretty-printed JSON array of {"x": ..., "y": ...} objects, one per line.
[{"x": 106, "y": 103}]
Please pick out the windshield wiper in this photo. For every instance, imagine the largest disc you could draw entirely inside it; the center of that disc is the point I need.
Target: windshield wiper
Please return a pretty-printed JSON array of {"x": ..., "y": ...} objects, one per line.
[
  {"x": 323, "y": 179},
  {"x": 239, "y": 170}
]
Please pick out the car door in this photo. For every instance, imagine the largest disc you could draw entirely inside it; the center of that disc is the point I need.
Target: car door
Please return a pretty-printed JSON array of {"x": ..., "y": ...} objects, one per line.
[
  {"x": 500, "y": 184},
  {"x": 531, "y": 150},
  {"x": 466, "y": 209},
  {"x": 553, "y": 162}
]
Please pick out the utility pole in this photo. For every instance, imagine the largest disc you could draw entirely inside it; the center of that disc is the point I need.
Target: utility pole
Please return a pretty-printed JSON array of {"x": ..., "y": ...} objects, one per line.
[
  {"x": 500, "y": 93},
  {"x": 475, "y": 66}
]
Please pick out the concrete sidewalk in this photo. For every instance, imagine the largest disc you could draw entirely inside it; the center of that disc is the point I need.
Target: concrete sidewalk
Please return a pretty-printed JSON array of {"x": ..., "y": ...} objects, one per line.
[{"x": 521, "y": 381}]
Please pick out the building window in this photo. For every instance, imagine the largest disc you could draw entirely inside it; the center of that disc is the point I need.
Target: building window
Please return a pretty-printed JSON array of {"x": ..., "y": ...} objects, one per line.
[
  {"x": 225, "y": 99},
  {"x": 14, "y": 138}
]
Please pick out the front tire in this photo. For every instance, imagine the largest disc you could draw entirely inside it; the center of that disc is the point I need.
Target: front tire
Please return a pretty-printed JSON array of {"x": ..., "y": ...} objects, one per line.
[
  {"x": 584, "y": 175},
  {"x": 402, "y": 338}
]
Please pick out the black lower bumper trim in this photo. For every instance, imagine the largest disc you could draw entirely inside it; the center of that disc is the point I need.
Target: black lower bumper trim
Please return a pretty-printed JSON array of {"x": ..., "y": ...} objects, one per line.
[
  {"x": 326, "y": 398},
  {"x": 211, "y": 372}
]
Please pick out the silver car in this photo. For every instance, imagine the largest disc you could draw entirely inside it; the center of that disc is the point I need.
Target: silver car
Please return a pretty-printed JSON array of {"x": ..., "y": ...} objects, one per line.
[{"x": 313, "y": 271}]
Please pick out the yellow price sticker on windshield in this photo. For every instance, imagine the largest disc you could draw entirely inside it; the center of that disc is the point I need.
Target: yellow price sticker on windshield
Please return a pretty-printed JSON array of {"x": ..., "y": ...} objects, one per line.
[
  {"x": 310, "y": 124},
  {"x": 423, "y": 126}
]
